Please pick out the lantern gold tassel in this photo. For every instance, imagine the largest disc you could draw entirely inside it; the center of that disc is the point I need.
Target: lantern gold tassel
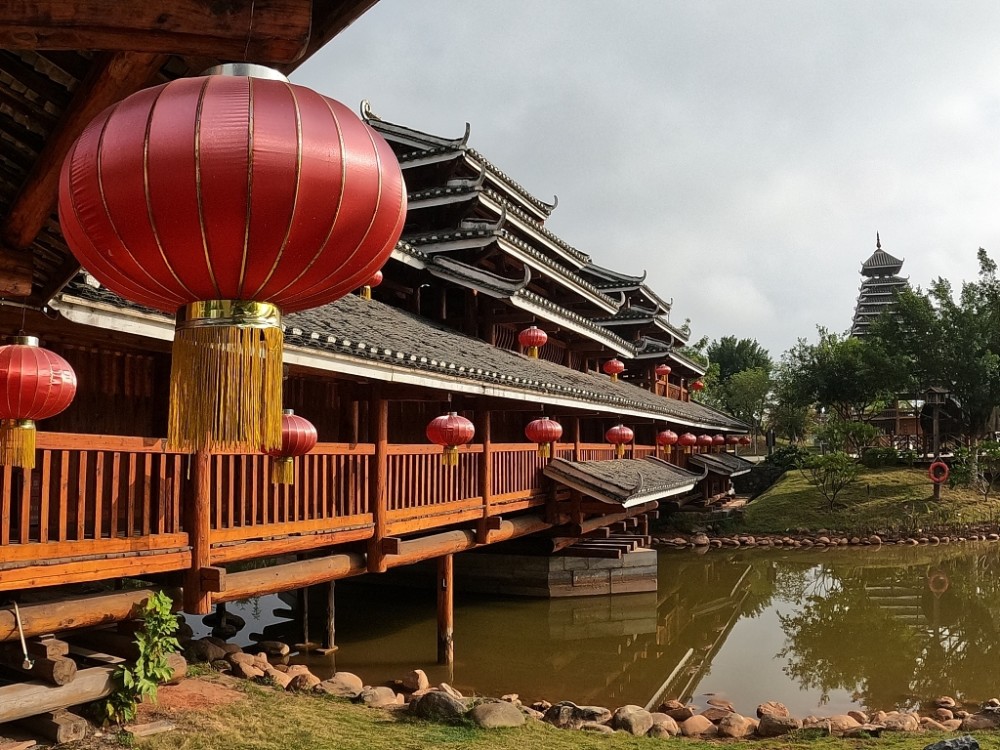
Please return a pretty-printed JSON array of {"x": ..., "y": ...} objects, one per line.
[
  {"x": 225, "y": 379},
  {"x": 544, "y": 450},
  {"x": 283, "y": 470},
  {"x": 17, "y": 443},
  {"x": 450, "y": 456},
  {"x": 620, "y": 450}
]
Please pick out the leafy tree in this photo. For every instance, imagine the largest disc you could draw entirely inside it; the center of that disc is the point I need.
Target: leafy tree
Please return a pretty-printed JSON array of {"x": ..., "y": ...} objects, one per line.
[
  {"x": 737, "y": 355},
  {"x": 830, "y": 474},
  {"x": 852, "y": 437},
  {"x": 953, "y": 341},
  {"x": 981, "y": 474},
  {"x": 852, "y": 377},
  {"x": 745, "y": 395}
]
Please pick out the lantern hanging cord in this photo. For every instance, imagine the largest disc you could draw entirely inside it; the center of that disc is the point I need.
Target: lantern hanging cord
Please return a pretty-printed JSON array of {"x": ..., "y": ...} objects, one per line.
[{"x": 246, "y": 50}]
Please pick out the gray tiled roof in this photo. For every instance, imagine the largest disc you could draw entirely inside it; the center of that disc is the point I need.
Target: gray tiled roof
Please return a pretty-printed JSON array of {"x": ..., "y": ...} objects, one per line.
[
  {"x": 368, "y": 330},
  {"x": 622, "y": 481},
  {"x": 726, "y": 464}
]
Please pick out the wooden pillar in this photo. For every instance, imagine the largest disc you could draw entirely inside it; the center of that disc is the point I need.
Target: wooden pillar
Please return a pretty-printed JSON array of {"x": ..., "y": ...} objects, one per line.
[
  {"x": 378, "y": 485},
  {"x": 485, "y": 474},
  {"x": 304, "y": 600},
  {"x": 330, "y": 644},
  {"x": 446, "y": 610},
  {"x": 576, "y": 438},
  {"x": 198, "y": 601}
]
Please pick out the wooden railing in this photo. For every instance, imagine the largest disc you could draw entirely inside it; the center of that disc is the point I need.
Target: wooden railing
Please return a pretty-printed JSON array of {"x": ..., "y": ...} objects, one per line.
[
  {"x": 98, "y": 506},
  {"x": 108, "y": 502}
]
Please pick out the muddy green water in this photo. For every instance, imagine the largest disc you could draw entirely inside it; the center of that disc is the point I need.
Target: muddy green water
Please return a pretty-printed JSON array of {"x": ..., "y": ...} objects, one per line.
[{"x": 821, "y": 631}]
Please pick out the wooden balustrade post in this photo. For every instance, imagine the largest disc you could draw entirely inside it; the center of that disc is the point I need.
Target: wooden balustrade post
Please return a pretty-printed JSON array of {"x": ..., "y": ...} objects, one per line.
[
  {"x": 446, "y": 610},
  {"x": 485, "y": 475},
  {"x": 576, "y": 438},
  {"x": 197, "y": 600},
  {"x": 378, "y": 481}
]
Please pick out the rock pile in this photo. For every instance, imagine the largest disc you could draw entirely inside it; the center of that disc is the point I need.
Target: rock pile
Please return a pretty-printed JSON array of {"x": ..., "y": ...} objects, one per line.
[
  {"x": 820, "y": 540},
  {"x": 442, "y": 703}
]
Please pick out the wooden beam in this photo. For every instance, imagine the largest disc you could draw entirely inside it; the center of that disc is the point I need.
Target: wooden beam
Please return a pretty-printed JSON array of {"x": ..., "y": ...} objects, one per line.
[
  {"x": 264, "y": 31},
  {"x": 485, "y": 474},
  {"x": 289, "y": 576},
  {"x": 58, "y": 726},
  {"x": 23, "y": 699},
  {"x": 79, "y": 612},
  {"x": 112, "y": 77}
]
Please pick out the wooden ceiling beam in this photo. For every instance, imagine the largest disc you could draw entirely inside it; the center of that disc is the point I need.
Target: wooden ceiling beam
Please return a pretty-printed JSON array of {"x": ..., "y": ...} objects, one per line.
[
  {"x": 329, "y": 18},
  {"x": 112, "y": 77},
  {"x": 276, "y": 31}
]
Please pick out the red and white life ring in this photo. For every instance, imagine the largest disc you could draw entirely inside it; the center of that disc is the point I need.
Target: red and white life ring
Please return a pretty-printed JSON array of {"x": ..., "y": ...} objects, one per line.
[{"x": 938, "y": 472}]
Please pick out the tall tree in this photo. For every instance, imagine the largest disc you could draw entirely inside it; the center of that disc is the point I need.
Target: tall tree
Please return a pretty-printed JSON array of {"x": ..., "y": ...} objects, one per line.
[
  {"x": 952, "y": 341},
  {"x": 736, "y": 355}
]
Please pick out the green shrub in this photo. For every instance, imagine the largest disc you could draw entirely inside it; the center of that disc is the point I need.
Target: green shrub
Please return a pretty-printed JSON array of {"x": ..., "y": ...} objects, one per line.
[{"x": 879, "y": 458}]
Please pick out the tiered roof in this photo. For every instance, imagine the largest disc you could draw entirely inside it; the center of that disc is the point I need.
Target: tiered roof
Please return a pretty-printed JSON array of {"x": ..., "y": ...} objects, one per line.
[{"x": 880, "y": 283}]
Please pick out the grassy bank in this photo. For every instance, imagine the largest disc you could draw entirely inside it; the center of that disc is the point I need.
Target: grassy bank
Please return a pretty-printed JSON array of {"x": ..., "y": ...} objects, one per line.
[
  {"x": 265, "y": 719},
  {"x": 894, "y": 501}
]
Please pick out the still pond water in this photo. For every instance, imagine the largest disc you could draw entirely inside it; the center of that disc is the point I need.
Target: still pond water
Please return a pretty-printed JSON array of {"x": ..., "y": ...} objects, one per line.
[{"x": 821, "y": 631}]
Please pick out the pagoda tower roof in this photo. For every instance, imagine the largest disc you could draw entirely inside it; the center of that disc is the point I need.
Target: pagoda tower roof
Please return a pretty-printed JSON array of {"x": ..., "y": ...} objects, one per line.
[{"x": 880, "y": 263}]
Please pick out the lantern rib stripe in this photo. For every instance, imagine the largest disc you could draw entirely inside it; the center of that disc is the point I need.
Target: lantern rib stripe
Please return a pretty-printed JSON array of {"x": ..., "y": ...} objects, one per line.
[
  {"x": 355, "y": 279},
  {"x": 295, "y": 196},
  {"x": 144, "y": 292},
  {"x": 246, "y": 224},
  {"x": 197, "y": 178},
  {"x": 340, "y": 200},
  {"x": 149, "y": 199}
]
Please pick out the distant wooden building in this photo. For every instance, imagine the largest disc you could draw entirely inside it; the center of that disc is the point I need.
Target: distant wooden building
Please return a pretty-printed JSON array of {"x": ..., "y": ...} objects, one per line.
[{"x": 880, "y": 283}]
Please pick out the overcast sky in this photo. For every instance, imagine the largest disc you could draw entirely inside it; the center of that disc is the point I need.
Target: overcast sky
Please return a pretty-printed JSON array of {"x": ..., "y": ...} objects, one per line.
[{"x": 743, "y": 153}]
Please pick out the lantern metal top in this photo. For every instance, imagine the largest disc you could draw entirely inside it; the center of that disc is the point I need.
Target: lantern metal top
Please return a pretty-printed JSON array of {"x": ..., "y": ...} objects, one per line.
[
  {"x": 24, "y": 340},
  {"x": 247, "y": 70}
]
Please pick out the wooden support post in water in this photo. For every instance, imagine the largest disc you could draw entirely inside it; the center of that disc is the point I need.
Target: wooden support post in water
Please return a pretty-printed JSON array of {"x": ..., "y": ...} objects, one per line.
[
  {"x": 330, "y": 644},
  {"x": 446, "y": 609},
  {"x": 485, "y": 475},
  {"x": 197, "y": 600},
  {"x": 304, "y": 599},
  {"x": 378, "y": 488}
]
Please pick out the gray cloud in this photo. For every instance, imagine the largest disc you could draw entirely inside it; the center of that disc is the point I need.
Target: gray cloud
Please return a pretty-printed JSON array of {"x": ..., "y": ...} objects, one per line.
[{"x": 744, "y": 153}]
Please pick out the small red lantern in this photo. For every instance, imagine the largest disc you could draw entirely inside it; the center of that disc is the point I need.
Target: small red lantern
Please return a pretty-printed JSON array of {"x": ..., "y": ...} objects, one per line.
[
  {"x": 686, "y": 441},
  {"x": 614, "y": 367},
  {"x": 36, "y": 384},
  {"x": 663, "y": 371},
  {"x": 619, "y": 436},
  {"x": 298, "y": 437},
  {"x": 704, "y": 441},
  {"x": 228, "y": 200},
  {"x": 374, "y": 281},
  {"x": 697, "y": 385},
  {"x": 450, "y": 430},
  {"x": 744, "y": 440},
  {"x": 718, "y": 440},
  {"x": 531, "y": 340},
  {"x": 733, "y": 439},
  {"x": 666, "y": 439},
  {"x": 544, "y": 432}
]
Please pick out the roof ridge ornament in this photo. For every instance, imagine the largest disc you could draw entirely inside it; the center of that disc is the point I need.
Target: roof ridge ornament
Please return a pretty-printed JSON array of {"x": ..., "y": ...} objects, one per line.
[
  {"x": 366, "y": 111},
  {"x": 878, "y": 241}
]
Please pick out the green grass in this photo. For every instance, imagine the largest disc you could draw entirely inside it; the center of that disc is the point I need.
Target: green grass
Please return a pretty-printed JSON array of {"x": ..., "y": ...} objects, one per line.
[
  {"x": 272, "y": 720},
  {"x": 893, "y": 501}
]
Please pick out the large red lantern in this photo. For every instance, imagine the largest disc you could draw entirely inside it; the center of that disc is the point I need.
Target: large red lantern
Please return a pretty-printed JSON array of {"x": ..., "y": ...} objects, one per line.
[
  {"x": 704, "y": 441},
  {"x": 744, "y": 440},
  {"x": 34, "y": 384},
  {"x": 718, "y": 441},
  {"x": 374, "y": 281},
  {"x": 531, "y": 340},
  {"x": 614, "y": 368},
  {"x": 666, "y": 439},
  {"x": 619, "y": 436},
  {"x": 663, "y": 371},
  {"x": 298, "y": 437},
  {"x": 697, "y": 385},
  {"x": 733, "y": 439},
  {"x": 227, "y": 200},
  {"x": 450, "y": 430},
  {"x": 545, "y": 432},
  {"x": 686, "y": 441}
]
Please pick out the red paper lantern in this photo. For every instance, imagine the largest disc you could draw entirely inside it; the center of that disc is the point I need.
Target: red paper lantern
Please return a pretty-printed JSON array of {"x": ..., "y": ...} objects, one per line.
[
  {"x": 614, "y": 367},
  {"x": 733, "y": 439},
  {"x": 686, "y": 441},
  {"x": 531, "y": 340},
  {"x": 298, "y": 437},
  {"x": 619, "y": 436},
  {"x": 718, "y": 439},
  {"x": 744, "y": 440},
  {"x": 697, "y": 385},
  {"x": 450, "y": 430},
  {"x": 544, "y": 432},
  {"x": 35, "y": 384},
  {"x": 228, "y": 200},
  {"x": 663, "y": 370},
  {"x": 704, "y": 441},
  {"x": 666, "y": 439},
  {"x": 374, "y": 281}
]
